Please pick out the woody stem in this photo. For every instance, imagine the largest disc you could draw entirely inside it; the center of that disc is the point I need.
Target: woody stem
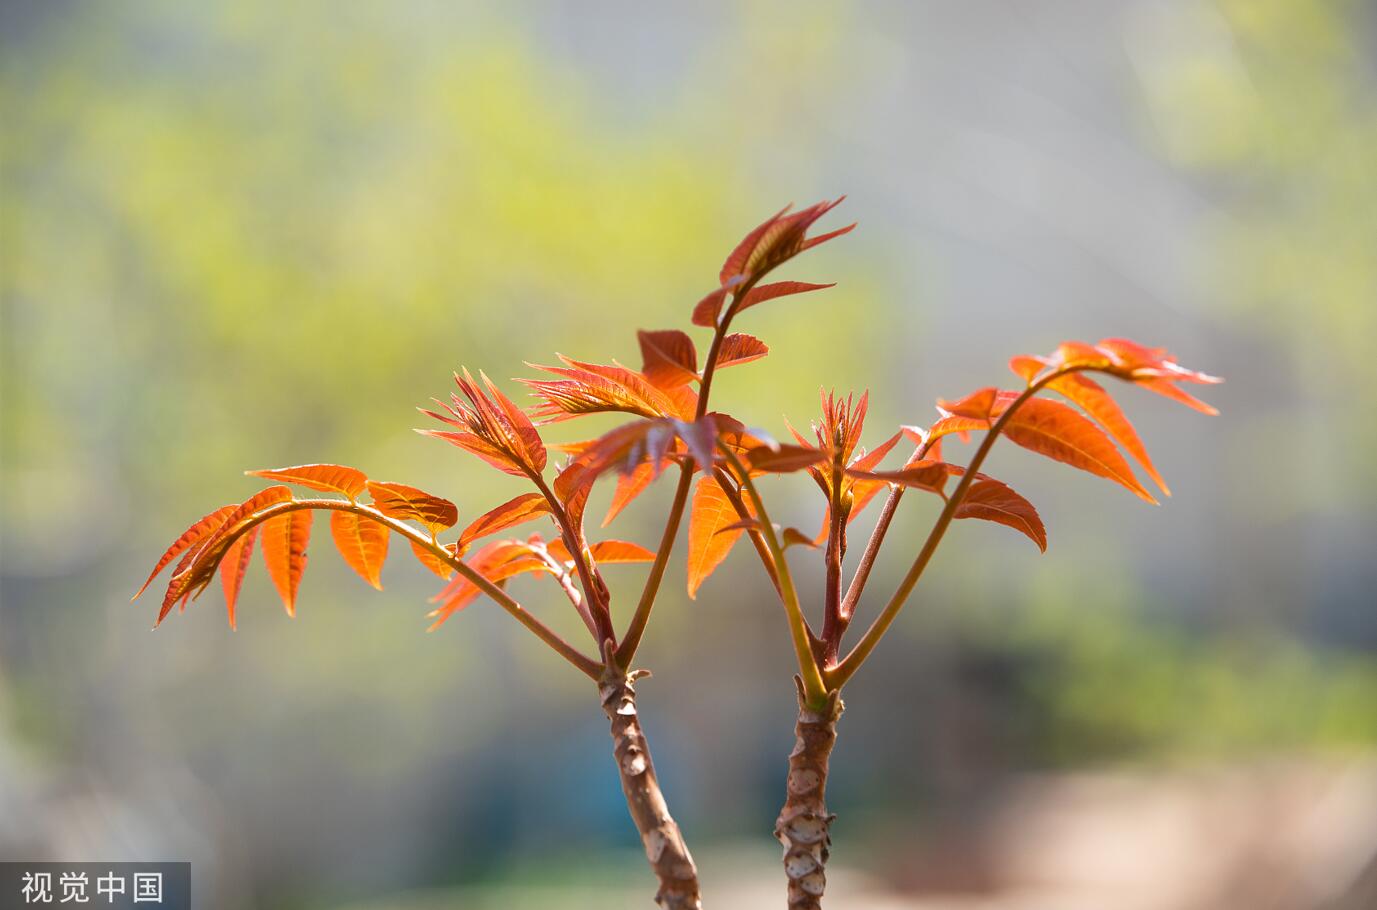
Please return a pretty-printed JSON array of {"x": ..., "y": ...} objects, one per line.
[
  {"x": 660, "y": 836},
  {"x": 804, "y": 824}
]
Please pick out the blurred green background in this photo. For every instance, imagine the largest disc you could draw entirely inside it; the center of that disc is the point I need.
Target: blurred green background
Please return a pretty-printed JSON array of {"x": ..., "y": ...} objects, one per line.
[{"x": 248, "y": 235}]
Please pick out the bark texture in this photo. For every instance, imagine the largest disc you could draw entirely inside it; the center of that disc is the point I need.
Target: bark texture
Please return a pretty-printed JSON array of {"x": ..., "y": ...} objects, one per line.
[
  {"x": 804, "y": 822},
  {"x": 664, "y": 845}
]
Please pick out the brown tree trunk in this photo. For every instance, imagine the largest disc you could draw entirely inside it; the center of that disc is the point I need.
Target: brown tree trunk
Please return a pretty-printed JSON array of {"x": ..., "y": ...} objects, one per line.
[
  {"x": 664, "y": 845},
  {"x": 804, "y": 821}
]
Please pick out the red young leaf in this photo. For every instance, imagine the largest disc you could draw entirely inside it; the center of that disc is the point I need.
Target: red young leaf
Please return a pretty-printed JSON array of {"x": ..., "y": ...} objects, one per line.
[
  {"x": 515, "y": 426},
  {"x": 624, "y": 448},
  {"x": 745, "y": 524},
  {"x": 978, "y": 405},
  {"x": 1027, "y": 368},
  {"x": 1096, "y": 402},
  {"x": 710, "y": 512},
  {"x": 1166, "y": 389},
  {"x": 925, "y": 475},
  {"x": 328, "y": 478},
  {"x": 1152, "y": 368},
  {"x": 736, "y": 261},
  {"x": 232, "y": 569},
  {"x": 776, "y": 241},
  {"x": 1080, "y": 354},
  {"x": 764, "y": 292},
  {"x": 830, "y": 235},
  {"x": 202, "y": 528},
  {"x": 993, "y": 501},
  {"x": 521, "y": 509},
  {"x": 1149, "y": 363},
  {"x": 492, "y": 427},
  {"x": 284, "y": 549},
  {"x": 497, "y": 562},
  {"x": 962, "y": 426},
  {"x": 869, "y": 460},
  {"x": 863, "y": 492},
  {"x": 629, "y": 486},
  {"x": 433, "y": 562},
  {"x": 793, "y": 537},
  {"x": 397, "y": 500},
  {"x": 668, "y": 357},
  {"x": 701, "y": 438},
  {"x": 708, "y": 310},
  {"x": 784, "y": 458},
  {"x": 604, "y": 552},
  {"x": 591, "y": 388},
  {"x": 739, "y": 348},
  {"x": 198, "y": 564},
  {"x": 363, "y": 544},
  {"x": 1061, "y": 433}
]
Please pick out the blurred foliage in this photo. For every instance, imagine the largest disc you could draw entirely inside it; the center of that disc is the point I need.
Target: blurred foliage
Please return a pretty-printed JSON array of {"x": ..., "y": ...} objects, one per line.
[
  {"x": 1116, "y": 683},
  {"x": 1273, "y": 101},
  {"x": 213, "y": 236}
]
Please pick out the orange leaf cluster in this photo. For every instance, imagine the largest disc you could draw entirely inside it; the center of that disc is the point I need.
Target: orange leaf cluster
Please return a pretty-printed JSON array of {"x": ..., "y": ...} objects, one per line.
[
  {"x": 224, "y": 540},
  {"x": 667, "y": 399},
  {"x": 492, "y": 427}
]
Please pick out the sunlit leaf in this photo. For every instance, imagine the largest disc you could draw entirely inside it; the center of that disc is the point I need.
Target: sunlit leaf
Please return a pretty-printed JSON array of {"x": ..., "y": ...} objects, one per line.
[
  {"x": 783, "y": 459},
  {"x": 433, "y": 562},
  {"x": 1167, "y": 390},
  {"x": 515, "y": 511},
  {"x": 1058, "y": 431},
  {"x": 1095, "y": 401},
  {"x": 1027, "y": 368},
  {"x": 764, "y": 292},
  {"x": 285, "y": 539},
  {"x": 708, "y": 310},
  {"x": 736, "y": 263},
  {"x": 605, "y": 552},
  {"x": 363, "y": 544},
  {"x": 496, "y": 561},
  {"x": 710, "y": 511},
  {"x": 924, "y": 475},
  {"x": 200, "y": 529},
  {"x": 668, "y": 357},
  {"x": 232, "y": 569},
  {"x": 629, "y": 486},
  {"x": 993, "y": 501},
  {"x": 397, "y": 500},
  {"x": 199, "y": 562},
  {"x": 738, "y": 349},
  {"x": 590, "y": 388},
  {"x": 1152, "y": 368},
  {"x": 778, "y": 240},
  {"x": 978, "y": 405},
  {"x": 490, "y": 426},
  {"x": 961, "y": 426},
  {"x": 700, "y": 437},
  {"x": 745, "y": 524},
  {"x": 863, "y": 492},
  {"x": 328, "y": 478}
]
